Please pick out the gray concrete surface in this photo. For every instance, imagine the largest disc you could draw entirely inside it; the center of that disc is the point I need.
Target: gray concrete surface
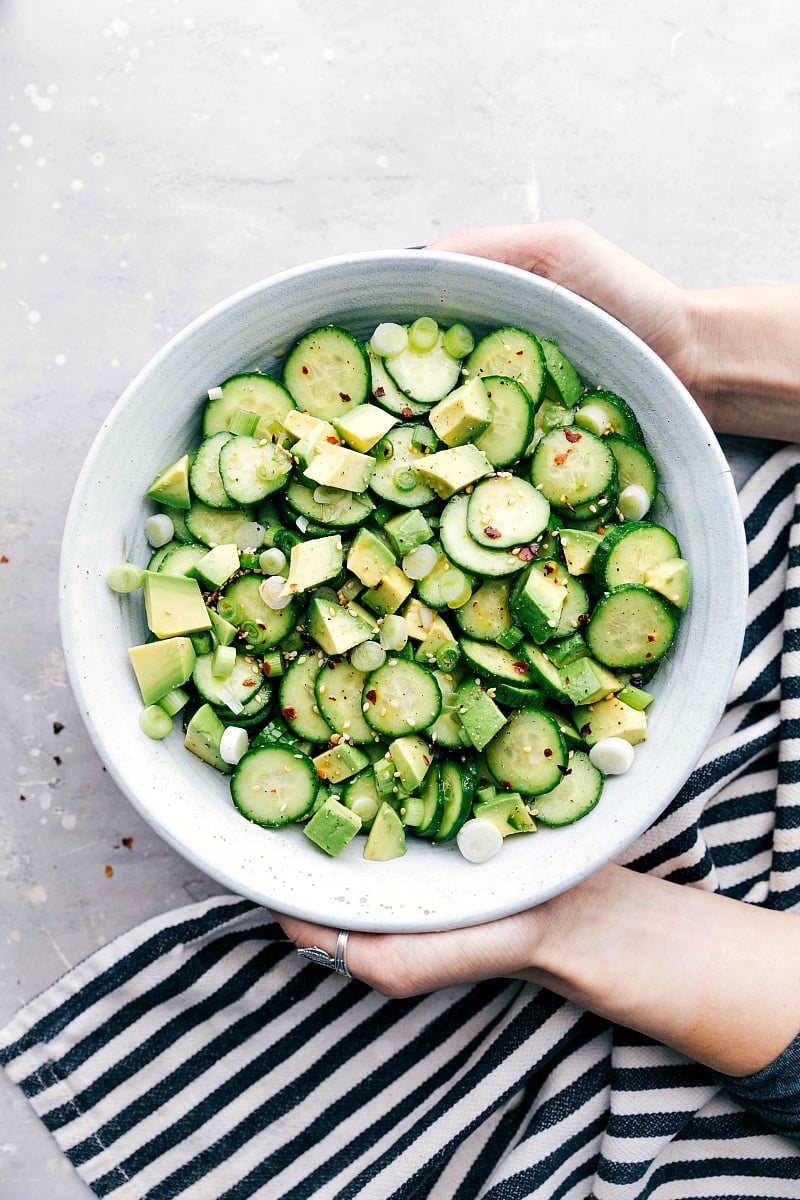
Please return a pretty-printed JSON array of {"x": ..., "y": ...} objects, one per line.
[{"x": 160, "y": 154}]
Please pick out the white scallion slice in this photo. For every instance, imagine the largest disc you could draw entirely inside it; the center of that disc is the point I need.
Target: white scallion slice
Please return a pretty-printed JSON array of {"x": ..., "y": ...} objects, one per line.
[
  {"x": 479, "y": 840},
  {"x": 233, "y": 744},
  {"x": 159, "y": 530},
  {"x": 612, "y": 755}
]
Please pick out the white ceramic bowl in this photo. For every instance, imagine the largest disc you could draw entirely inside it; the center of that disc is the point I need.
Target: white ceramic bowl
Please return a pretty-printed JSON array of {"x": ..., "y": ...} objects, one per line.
[{"x": 157, "y": 419}]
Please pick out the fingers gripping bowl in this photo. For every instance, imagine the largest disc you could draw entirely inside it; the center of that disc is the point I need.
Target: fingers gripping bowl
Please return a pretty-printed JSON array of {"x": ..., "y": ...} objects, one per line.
[{"x": 157, "y": 419}]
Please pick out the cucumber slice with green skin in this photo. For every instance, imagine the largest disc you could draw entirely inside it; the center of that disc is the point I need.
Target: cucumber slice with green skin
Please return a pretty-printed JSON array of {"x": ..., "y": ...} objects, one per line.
[
  {"x": 425, "y": 376},
  {"x": 386, "y": 392},
  {"x": 572, "y": 798},
  {"x": 273, "y": 624},
  {"x": 465, "y": 551},
  {"x": 327, "y": 372},
  {"x": 274, "y": 785},
  {"x": 178, "y": 518},
  {"x": 359, "y": 794},
  {"x": 486, "y": 614},
  {"x": 631, "y": 627},
  {"x": 240, "y": 686},
  {"x": 253, "y": 713},
  {"x": 563, "y": 381},
  {"x": 603, "y": 413},
  {"x": 397, "y": 457},
  {"x": 573, "y": 467},
  {"x": 635, "y": 465},
  {"x": 214, "y": 526},
  {"x": 457, "y": 787},
  {"x": 576, "y": 604},
  {"x": 512, "y": 352},
  {"x": 513, "y": 696},
  {"x": 493, "y": 664},
  {"x": 529, "y": 754},
  {"x": 432, "y": 797},
  {"x": 544, "y": 674},
  {"x": 254, "y": 392},
  {"x": 338, "y": 688},
  {"x": 204, "y": 473},
  {"x": 252, "y": 469},
  {"x": 298, "y": 702},
  {"x": 401, "y": 697},
  {"x": 628, "y": 552},
  {"x": 343, "y": 512},
  {"x": 178, "y": 559},
  {"x": 511, "y": 428},
  {"x": 506, "y": 511}
]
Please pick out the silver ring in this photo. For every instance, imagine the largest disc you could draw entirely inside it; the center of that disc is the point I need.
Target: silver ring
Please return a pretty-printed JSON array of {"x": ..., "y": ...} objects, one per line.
[{"x": 334, "y": 962}]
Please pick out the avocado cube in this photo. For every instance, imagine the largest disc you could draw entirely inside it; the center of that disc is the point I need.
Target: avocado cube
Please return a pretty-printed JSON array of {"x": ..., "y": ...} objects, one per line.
[
  {"x": 579, "y": 546},
  {"x": 203, "y": 735},
  {"x": 218, "y": 566},
  {"x": 333, "y": 826},
  {"x": 450, "y": 471},
  {"x": 407, "y": 530},
  {"x": 478, "y": 713},
  {"x": 340, "y": 762},
  {"x": 222, "y": 630},
  {"x": 536, "y": 602},
  {"x": 672, "y": 580},
  {"x": 334, "y": 628},
  {"x": 301, "y": 425},
  {"x": 463, "y": 415},
  {"x": 171, "y": 486},
  {"x": 364, "y": 426},
  {"x": 369, "y": 558},
  {"x": 585, "y": 681},
  {"x": 567, "y": 649},
  {"x": 387, "y": 837},
  {"x": 411, "y": 756},
  {"x": 610, "y": 717},
  {"x": 174, "y": 605},
  {"x": 339, "y": 467},
  {"x": 389, "y": 594},
  {"x": 438, "y": 634},
  {"x": 313, "y": 562},
  {"x": 508, "y": 811},
  {"x": 161, "y": 666}
]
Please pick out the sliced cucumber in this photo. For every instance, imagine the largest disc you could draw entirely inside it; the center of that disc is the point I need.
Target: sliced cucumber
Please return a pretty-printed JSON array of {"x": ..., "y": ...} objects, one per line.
[
  {"x": 254, "y": 392},
  {"x": 512, "y": 352},
  {"x": 493, "y": 663},
  {"x": 395, "y": 477},
  {"x": 252, "y": 469},
  {"x": 240, "y": 686},
  {"x": 573, "y": 467},
  {"x": 529, "y": 754},
  {"x": 338, "y": 687},
  {"x": 273, "y": 624},
  {"x": 204, "y": 473},
  {"x": 506, "y": 511},
  {"x": 341, "y": 511},
  {"x": 507, "y": 438},
  {"x": 635, "y": 465},
  {"x": 631, "y": 627},
  {"x": 274, "y": 785},
  {"x": 425, "y": 376},
  {"x": 179, "y": 558},
  {"x": 327, "y": 372},
  {"x": 297, "y": 699},
  {"x": 388, "y": 394},
  {"x": 446, "y": 586},
  {"x": 401, "y": 697},
  {"x": 563, "y": 381},
  {"x": 628, "y": 552},
  {"x": 575, "y": 796},
  {"x": 465, "y": 551},
  {"x": 486, "y": 615},
  {"x": 603, "y": 412},
  {"x": 457, "y": 787}
]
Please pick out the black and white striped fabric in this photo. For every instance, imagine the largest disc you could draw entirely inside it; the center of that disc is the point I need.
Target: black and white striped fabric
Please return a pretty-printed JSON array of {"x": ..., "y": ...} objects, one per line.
[{"x": 198, "y": 1057}]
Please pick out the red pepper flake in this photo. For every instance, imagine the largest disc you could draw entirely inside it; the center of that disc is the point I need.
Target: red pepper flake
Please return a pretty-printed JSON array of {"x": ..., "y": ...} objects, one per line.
[
  {"x": 3, "y": 558},
  {"x": 548, "y": 753},
  {"x": 583, "y": 619},
  {"x": 585, "y": 730},
  {"x": 560, "y": 459},
  {"x": 565, "y": 770},
  {"x": 652, "y": 637},
  {"x": 407, "y": 413},
  {"x": 304, "y": 369},
  {"x": 572, "y": 435},
  {"x": 334, "y": 441},
  {"x": 372, "y": 695},
  {"x": 109, "y": 871},
  {"x": 344, "y": 397},
  {"x": 249, "y": 683},
  {"x": 491, "y": 532},
  {"x": 379, "y": 391},
  {"x": 289, "y": 713},
  {"x": 520, "y": 668},
  {"x": 519, "y": 353},
  {"x": 526, "y": 553}
]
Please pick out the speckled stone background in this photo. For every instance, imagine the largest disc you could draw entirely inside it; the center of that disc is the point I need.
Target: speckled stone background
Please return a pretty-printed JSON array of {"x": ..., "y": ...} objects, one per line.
[{"x": 157, "y": 157}]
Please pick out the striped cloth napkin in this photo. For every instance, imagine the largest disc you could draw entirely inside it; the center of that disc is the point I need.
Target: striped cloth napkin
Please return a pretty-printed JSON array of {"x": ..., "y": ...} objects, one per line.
[{"x": 199, "y": 1057}]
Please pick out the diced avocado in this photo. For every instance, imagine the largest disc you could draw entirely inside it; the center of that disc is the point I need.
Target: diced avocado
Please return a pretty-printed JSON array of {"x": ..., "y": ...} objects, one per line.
[
  {"x": 218, "y": 566},
  {"x": 585, "y": 680},
  {"x": 333, "y": 826},
  {"x": 301, "y": 425},
  {"x": 387, "y": 837},
  {"x": 508, "y": 811},
  {"x": 363, "y": 427},
  {"x": 340, "y": 762},
  {"x": 161, "y": 666},
  {"x": 339, "y": 467},
  {"x": 672, "y": 579},
  {"x": 369, "y": 557},
  {"x": 536, "y": 602},
  {"x": 411, "y": 756},
  {"x": 313, "y": 562},
  {"x": 171, "y": 486},
  {"x": 438, "y": 634},
  {"x": 610, "y": 718},
  {"x": 450, "y": 471},
  {"x": 567, "y": 649},
  {"x": 417, "y": 617},
  {"x": 334, "y": 628},
  {"x": 203, "y": 735},
  {"x": 478, "y": 713},
  {"x": 223, "y": 630},
  {"x": 389, "y": 594},
  {"x": 174, "y": 605},
  {"x": 407, "y": 530},
  {"x": 463, "y": 415},
  {"x": 579, "y": 546}
]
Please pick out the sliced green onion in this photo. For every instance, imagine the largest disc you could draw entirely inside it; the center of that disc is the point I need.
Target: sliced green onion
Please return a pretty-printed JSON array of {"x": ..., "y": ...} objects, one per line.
[
  {"x": 223, "y": 661},
  {"x": 126, "y": 577},
  {"x": 201, "y": 641},
  {"x": 405, "y": 480},
  {"x": 249, "y": 536},
  {"x": 255, "y": 635},
  {"x": 420, "y": 562},
  {"x": 233, "y": 744},
  {"x": 229, "y": 610},
  {"x": 272, "y": 561},
  {"x": 271, "y": 592},
  {"x": 244, "y": 422},
  {"x": 389, "y": 338},
  {"x": 423, "y": 437},
  {"x": 447, "y": 657},
  {"x": 155, "y": 722},
  {"x": 423, "y": 334},
  {"x": 249, "y": 560},
  {"x": 394, "y": 632},
  {"x": 174, "y": 701},
  {"x": 364, "y": 807},
  {"x": 458, "y": 340},
  {"x": 272, "y": 664},
  {"x": 413, "y": 811},
  {"x": 159, "y": 530},
  {"x": 367, "y": 656}
]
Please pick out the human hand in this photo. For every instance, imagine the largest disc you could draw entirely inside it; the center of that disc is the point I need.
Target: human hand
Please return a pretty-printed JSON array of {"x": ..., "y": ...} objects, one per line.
[{"x": 575, "y": 256}]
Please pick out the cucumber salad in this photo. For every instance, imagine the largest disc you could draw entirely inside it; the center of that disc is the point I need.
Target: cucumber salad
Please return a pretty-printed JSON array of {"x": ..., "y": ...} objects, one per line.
[{"x": 408, "y": 587}]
